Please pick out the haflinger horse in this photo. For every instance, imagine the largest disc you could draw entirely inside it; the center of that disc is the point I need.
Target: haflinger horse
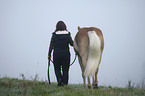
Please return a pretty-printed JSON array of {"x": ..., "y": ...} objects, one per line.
[{"x": 89, "y": 45}]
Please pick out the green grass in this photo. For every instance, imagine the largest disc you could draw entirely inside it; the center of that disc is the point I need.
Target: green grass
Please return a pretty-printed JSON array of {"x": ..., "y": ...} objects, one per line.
[{"x": 15, "y": 87}]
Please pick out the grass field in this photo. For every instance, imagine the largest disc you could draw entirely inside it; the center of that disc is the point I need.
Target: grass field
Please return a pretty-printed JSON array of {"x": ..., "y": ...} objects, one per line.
[{"x": 15, "y": 87}]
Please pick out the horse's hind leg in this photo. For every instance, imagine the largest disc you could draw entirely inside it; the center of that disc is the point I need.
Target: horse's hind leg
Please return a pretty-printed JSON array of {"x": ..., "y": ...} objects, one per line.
[
  {"x": 93, "y": 78},
  {"x": 82, "y": 68},
  {"x": 95, "y": 82},
  {"x": 84, "y": 80},
  {"x": 89, "y": 83}
]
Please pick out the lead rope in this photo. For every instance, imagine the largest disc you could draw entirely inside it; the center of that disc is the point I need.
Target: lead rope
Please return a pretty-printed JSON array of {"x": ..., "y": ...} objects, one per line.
[
  {"x": 71, "y": 63},
  {"x": 74, "y": 60}
]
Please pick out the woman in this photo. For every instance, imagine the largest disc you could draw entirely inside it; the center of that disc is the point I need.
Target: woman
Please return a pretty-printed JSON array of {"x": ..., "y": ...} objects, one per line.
[{"x": 60, "y": 41}]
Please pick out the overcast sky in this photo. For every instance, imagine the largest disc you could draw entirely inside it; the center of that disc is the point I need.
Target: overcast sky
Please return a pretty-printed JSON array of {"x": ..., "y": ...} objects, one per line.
[{"x": 26, "y": 27}]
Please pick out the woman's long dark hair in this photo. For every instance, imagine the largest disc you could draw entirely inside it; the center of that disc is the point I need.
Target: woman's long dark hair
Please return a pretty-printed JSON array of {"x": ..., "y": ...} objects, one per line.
[{"x": 60, "y": 26}]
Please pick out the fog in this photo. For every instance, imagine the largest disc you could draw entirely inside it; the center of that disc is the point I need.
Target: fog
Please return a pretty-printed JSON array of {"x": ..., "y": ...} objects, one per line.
[{"x": 26, "y": 28}]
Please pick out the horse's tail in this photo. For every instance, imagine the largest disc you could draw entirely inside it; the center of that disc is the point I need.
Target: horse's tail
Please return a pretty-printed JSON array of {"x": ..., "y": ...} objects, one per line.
[{"x": 94, "y": 53}]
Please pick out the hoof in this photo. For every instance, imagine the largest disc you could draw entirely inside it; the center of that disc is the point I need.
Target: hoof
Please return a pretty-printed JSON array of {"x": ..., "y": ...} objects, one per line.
[
  {"x": 89, "y": 86},
  {"x": 84, "y": 86},
  {"x": 95, "y": 86},
  {"x": 60, "y": 84}
]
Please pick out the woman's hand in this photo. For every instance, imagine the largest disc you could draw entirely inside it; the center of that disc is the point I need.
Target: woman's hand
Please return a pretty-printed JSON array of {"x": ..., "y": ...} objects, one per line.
[{"x": 49, "y": 57}]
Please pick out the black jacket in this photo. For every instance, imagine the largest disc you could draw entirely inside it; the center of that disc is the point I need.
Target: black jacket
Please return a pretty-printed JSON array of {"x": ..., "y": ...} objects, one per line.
[{"x": 60, "y": 43}]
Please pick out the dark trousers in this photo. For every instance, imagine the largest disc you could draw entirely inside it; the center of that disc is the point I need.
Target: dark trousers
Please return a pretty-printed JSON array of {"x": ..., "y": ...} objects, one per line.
[{"x": 61, "y": 67}]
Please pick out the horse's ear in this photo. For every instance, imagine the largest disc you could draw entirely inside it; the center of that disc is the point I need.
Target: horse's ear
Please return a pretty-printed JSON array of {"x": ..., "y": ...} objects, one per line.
[{"x": 79, "y": 28}]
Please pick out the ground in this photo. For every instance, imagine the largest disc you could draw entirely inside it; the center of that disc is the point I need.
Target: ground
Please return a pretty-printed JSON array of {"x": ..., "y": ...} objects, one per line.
[{"x": 16, "y": 87}]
